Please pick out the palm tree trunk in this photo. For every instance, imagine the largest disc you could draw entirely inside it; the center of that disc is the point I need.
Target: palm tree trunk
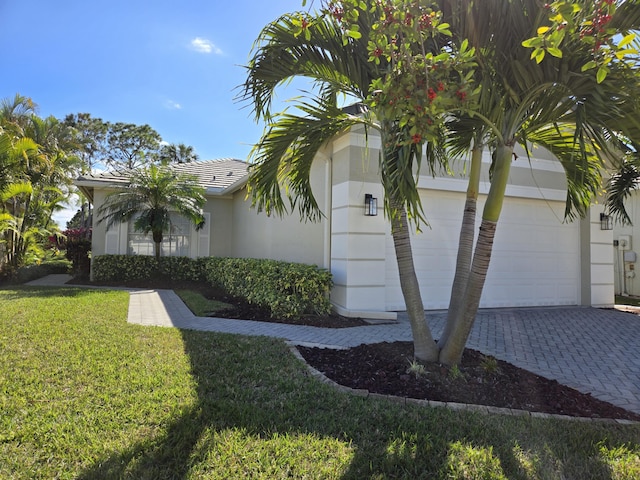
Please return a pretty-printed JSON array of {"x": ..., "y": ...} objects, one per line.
[
  {"x": 424, "y": 347},
  {"x": 451, "y": 352},
  {"x": 465, "y": 245},
  {"x": 156, "y": 250}
]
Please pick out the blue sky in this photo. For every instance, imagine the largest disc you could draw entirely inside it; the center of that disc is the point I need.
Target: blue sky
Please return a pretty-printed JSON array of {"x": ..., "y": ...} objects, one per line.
[{"x": 172, "y": 65}]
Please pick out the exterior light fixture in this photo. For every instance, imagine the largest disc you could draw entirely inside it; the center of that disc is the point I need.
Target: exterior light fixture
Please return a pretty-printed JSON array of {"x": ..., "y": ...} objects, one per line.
[
  {"x": 606, "y": 223},
  {"x": 370, "y": 205}
]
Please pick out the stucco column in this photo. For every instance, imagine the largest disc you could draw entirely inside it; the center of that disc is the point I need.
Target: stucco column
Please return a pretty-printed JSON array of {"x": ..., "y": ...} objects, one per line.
[
  {"x": 596, "y": 266},
  {"x": 358, "y": 241}
]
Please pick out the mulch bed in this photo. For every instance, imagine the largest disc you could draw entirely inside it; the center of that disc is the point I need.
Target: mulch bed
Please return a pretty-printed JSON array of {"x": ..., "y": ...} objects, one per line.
[{"x": 385, "y": 368}]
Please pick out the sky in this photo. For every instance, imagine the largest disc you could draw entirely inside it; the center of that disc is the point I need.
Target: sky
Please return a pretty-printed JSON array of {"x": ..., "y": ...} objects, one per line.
[{"x": 172, "y": 65}]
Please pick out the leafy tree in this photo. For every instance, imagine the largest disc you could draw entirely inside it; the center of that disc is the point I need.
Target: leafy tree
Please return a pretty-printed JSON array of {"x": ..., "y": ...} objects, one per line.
[
  {"x": 90, "y": 139},
  {"x": 37, "y": 172},
  {"x": 177, "y": 153},
  {"x": 339, "y": 60},
  {"x": 131, "y": 146},
  {"x": 152, "y": 194},
  {"x": 558, "y": 104}
]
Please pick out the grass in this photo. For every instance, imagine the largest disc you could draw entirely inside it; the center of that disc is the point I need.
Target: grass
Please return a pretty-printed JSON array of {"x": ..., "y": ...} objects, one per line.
[
  {"x": 201, "y": 306},
  {"x": 85, "y": 395},
  {"x": 624, "y": 300}
]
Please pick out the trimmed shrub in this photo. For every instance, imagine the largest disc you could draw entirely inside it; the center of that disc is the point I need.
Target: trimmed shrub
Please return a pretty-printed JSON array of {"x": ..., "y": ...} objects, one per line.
[
  {"x": 32, "y": 272},
  {"x": 287, "y": 289},
  {"x": 126, "y": 268}
]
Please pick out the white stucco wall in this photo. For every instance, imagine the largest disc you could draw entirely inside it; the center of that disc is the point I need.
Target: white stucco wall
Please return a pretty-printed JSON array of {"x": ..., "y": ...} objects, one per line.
[
  {"x": 626, "y": 275},
  {"x": 257, "y": 235}
]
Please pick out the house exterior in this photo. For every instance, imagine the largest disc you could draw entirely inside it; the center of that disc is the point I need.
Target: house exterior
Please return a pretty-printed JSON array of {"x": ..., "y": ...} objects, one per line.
[
  {"x": 626, "y": 241},
  {"x": 538, "y": 259}
]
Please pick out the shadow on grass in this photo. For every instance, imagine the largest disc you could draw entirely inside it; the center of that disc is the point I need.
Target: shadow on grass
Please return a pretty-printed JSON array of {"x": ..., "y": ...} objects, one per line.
[
  {"x": 16, "y": 292},
  {"x": 251, "y": 391}
]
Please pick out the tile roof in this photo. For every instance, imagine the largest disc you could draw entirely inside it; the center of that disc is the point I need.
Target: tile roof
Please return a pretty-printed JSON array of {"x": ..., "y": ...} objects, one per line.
[{"x": 218, "y": 174}]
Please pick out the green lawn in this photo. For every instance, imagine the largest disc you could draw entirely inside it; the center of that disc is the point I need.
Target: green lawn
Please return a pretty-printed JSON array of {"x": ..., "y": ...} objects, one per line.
[
  {"x": 201, "y": 306},
  {"x": 623, "y": 300},
  {"x": 85, "y": 395}
]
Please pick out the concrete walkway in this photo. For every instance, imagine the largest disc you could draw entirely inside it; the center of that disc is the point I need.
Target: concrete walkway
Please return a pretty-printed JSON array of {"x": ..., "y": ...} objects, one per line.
[{"x": 595, "y": 351}]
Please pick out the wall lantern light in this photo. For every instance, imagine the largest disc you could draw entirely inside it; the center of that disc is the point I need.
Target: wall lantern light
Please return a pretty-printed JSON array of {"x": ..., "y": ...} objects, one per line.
[
  {"x": 370, "y": 205},
  {"x": 606, "y": 223}
]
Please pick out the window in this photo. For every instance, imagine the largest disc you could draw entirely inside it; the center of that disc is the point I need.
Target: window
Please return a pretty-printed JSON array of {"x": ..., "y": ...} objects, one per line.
[{"x": 175, "y": 242}]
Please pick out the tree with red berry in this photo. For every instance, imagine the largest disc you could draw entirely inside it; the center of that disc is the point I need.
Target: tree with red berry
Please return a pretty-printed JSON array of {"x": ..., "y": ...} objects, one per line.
[{"x": 451, "y": 74}]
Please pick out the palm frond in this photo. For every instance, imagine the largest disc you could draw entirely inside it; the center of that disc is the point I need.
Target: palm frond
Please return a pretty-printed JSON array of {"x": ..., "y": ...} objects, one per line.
[
  {"x": 283, "y": 157},
  {"x": 280, "y": 55}
]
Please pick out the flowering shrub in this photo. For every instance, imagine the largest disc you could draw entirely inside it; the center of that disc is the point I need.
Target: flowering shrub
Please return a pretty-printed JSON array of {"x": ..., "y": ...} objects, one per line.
[
  {"x": 77, "y": 243},
  {"x": 419, "y": 82}
]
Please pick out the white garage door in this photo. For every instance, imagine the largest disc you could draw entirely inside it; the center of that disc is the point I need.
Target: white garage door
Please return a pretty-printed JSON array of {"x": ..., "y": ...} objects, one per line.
[{"x": 535, "y": 258}]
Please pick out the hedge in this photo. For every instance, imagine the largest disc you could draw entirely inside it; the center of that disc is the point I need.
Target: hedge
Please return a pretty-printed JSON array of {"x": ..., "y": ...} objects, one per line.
[
  {"x": 286, "y": 289},
  {"x": 32, "y": 272},
  {"x": 127, "y": 268}
]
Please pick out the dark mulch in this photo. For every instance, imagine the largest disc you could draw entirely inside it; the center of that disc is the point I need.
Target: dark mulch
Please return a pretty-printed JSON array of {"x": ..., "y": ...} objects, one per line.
[
  {"x": 385, "y": 368},
  {"x": 482, "y": 380}
]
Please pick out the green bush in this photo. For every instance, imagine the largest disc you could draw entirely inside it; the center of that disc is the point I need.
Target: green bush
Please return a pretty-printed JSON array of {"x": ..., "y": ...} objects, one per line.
[
  {"x": 126, "y": 268},
  {"x": 32, "y": 272},
  {"x": 286, "y": 289}
]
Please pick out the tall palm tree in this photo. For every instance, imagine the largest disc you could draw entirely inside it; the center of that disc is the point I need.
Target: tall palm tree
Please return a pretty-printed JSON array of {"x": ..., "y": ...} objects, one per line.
[
  {"x": 149, "y": 198},
  {"x": 553, "y": 104},
  {"x": 284, "y": 155}
]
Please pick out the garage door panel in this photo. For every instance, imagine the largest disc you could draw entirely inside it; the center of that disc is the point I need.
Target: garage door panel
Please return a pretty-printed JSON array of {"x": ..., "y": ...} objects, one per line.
[{"x": 535, "y": 259}]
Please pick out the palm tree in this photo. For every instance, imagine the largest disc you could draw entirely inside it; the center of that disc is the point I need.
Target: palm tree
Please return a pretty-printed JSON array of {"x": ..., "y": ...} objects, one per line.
[
  {"x": 152, "y": 194},
  {"x": 553, "y": 104},
  {"x": 284, "y": 155}
]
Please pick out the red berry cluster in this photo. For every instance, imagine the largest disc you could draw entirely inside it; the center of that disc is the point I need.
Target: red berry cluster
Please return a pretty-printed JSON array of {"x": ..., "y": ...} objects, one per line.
[
  {"x": 336, "y": 11},
  {"x": 424, "y": 22},
  {"x": 597, "y": 27}
]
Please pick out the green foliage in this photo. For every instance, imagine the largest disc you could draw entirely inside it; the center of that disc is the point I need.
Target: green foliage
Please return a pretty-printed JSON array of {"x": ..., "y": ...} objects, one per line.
[
  {"x": 131, "y": 146},
  {"x": 596, "y": 26},
  {"x": 287, "y": 289},
  {"x": 124, "y": 268},
  {"x": 127, "y": 268},
  {"x": 36, "y": 171},
  {"x": 489, "y": 364},
  {"x": 33, "y": 272}
]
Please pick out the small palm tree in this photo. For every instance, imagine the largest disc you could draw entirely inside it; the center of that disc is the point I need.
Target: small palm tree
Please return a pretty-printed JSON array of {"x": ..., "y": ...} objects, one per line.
[{"x": 151, "y": 195}]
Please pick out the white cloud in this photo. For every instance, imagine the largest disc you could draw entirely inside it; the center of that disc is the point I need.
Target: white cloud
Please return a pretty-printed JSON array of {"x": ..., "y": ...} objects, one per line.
[
  {"x": 170, "y": 104},
  {"x": 203, "y": 45}
]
